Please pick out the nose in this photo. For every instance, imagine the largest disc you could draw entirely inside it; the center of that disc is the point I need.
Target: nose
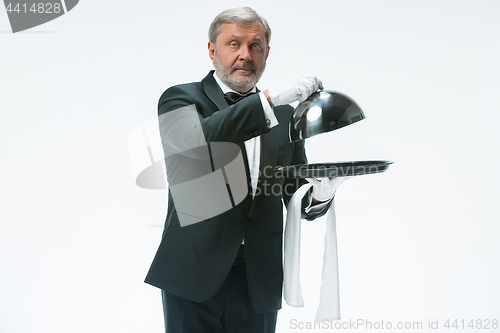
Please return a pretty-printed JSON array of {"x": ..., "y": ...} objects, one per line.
[{"x": 245, "y": 54}]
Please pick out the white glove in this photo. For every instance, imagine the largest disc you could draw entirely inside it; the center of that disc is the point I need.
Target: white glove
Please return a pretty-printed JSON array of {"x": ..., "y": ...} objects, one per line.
[
  {"x": 324, "y": 189},
  {"x": 297, "y": 88}
]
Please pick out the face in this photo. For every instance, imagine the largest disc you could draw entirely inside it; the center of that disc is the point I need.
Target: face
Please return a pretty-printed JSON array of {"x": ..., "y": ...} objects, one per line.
[{"x": 240, "y": 55}]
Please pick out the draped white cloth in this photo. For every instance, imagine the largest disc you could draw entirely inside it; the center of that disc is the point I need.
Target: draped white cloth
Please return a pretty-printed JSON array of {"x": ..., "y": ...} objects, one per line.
[{"x": 329, "y": 304}]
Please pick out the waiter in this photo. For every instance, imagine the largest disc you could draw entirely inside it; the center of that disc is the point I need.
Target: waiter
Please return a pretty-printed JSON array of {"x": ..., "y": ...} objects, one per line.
[{"x": 224, "y": 274}]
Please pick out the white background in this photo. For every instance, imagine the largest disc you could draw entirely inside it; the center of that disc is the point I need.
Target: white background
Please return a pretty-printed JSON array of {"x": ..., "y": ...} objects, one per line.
[{"x": 417, "y": 243}]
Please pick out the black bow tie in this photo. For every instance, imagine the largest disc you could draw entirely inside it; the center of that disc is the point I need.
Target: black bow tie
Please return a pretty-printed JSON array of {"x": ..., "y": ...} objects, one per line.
[{"x": 233, "y": 98}]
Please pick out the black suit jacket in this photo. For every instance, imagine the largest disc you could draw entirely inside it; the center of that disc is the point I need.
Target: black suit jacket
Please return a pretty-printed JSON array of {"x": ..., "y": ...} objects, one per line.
[{"x": 193, "y": 261}]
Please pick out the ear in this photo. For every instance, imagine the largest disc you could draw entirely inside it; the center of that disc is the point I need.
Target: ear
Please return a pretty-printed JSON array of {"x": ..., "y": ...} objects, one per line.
[
  {"x": 211, "y": 50},
  {"x": 267, "y": 53}
]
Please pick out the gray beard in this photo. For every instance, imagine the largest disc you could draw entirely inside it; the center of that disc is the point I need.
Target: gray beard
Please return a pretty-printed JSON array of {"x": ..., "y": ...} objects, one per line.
[{"x": 242, "y": 86}]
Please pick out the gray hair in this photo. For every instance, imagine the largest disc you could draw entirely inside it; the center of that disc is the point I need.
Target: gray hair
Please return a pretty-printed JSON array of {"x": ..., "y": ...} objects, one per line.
[{"x": 240, "y": 15}]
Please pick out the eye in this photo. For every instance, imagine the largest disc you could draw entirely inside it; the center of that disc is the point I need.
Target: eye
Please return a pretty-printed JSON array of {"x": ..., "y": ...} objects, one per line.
[{"x": 233, "y": 44}]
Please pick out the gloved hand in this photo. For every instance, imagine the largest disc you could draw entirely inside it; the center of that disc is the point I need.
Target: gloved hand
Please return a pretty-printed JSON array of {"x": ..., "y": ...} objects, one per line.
[
  {"x": 324, "y": 188},
  {"x": 297, "y": 88}
]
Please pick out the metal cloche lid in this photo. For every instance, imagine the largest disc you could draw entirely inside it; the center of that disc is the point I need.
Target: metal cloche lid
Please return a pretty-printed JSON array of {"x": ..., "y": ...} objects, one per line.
[{"x": 323, "y": 112}]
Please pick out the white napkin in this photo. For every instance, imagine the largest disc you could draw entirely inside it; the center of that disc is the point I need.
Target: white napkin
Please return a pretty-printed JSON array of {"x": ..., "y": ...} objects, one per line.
[
  {"x": 291, "y": 264},
  {"x": 329, "y": 304}
]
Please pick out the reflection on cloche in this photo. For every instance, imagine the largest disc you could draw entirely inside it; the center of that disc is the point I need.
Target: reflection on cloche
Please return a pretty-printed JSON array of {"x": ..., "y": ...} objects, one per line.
[{"x": 322, "y": 112}]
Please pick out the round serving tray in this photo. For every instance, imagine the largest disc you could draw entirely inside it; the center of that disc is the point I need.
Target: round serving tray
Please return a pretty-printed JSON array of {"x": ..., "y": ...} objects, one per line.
[{"x": 342, "y": 169}]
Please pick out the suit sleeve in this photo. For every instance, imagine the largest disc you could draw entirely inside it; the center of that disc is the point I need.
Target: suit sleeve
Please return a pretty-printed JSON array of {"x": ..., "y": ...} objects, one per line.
[{"x": 236, "y": 123}]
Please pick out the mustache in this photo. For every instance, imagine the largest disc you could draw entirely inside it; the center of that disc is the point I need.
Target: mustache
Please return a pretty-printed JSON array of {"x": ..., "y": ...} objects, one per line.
[{"x": 244, "y": 66}]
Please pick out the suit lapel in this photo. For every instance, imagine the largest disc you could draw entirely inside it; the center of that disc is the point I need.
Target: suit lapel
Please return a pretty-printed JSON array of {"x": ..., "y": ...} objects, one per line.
[{"x": 213, "y": 91}]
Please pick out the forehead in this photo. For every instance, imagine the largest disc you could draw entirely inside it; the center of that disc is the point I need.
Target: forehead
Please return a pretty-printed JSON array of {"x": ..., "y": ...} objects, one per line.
[{"x": 254, "y": 30}]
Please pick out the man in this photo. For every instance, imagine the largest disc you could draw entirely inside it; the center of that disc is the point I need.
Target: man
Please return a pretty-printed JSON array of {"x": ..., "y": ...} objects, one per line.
[{"x": 211, "y": 282}]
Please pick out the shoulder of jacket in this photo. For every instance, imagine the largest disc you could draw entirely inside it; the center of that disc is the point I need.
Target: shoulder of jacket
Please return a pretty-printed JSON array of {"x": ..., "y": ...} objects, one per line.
[{"x": 184, "y": 87}]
